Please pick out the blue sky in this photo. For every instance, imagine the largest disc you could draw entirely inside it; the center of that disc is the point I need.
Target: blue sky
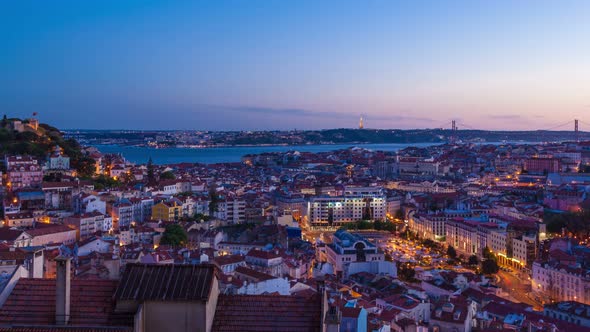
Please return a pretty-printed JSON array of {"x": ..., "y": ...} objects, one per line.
[{"x": 295, "y": 64}]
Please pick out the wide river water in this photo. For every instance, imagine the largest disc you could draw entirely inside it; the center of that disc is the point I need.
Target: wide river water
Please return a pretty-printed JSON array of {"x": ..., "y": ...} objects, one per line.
[{"x": 140, "y": 155}]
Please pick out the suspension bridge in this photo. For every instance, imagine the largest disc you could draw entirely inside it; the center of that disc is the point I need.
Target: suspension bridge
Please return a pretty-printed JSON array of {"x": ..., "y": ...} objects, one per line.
[{"x": 570, "y": 130}]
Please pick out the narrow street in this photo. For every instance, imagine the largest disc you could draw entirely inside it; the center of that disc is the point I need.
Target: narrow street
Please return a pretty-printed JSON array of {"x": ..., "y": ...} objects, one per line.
[{"x": 517, "y": 289}]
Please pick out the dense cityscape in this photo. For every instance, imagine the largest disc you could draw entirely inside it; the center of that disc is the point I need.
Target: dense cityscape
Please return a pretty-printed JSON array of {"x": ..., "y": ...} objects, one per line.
[
  {"x": 449, "y": 237},
  {"x": 294, "y": 166}
]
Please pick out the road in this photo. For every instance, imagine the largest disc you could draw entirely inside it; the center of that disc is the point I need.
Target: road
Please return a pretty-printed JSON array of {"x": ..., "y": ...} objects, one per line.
[
  {"x": 517, "y": 289},
  {"x": 510, "y": 283}
]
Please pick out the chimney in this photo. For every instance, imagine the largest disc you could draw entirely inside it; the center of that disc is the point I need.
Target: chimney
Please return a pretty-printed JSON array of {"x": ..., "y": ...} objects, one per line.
[{"x": 62, "y": 290}]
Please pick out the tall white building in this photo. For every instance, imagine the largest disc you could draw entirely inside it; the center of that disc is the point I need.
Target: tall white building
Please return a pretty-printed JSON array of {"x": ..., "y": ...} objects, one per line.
[
  {"x": 233, "y": 211},
  {"x": 344, "y": 209}
]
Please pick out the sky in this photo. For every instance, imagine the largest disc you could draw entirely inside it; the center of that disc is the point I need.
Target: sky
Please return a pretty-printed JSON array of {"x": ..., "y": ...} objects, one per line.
[{"x": 266, "y": 64}]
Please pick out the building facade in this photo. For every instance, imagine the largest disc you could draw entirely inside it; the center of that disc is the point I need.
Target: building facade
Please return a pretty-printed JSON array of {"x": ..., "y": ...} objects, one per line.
[{"x": 348, "y": 248}]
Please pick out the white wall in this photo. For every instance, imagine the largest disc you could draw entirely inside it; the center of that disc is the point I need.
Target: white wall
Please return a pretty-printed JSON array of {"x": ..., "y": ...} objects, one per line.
[{"x": 279, "y": 285}]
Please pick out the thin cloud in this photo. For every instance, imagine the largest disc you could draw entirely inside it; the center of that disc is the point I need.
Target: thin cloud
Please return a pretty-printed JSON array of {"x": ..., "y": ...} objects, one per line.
[
  {"x": 314, "y": 113},
  {"x": 280, "y": 111},
  {"x": 505, "y": 117}
]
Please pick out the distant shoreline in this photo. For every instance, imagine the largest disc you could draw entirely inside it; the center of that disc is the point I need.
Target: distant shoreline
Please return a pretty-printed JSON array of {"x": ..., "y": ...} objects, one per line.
[{"x": 231, "y": 154}]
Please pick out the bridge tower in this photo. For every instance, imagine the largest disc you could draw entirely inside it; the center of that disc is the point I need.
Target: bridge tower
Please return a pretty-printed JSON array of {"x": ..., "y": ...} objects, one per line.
[{"x": 453, "y": 137}]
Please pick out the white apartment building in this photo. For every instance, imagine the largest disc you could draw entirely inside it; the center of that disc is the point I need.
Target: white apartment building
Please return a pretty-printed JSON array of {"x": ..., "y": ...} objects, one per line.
[
  {"x": 86, "y": 224},
  {"x": 122, "y": 213},
  {"x": 233, "y": 211},
  {"x": 363, "y": 191},
  {"x": 414, "y": 165},
  {"x": 559, "y": 282},
  {"x": 469, "y": 236},
  {"x": 429, "y": 226},
  {"x": 343, "y": 209},
  {"x": 497, "y": 244},
  {"x": 142, "y": 208},
  {"x": 93, "y": 203},
  {"x": 523, "y": 250}
]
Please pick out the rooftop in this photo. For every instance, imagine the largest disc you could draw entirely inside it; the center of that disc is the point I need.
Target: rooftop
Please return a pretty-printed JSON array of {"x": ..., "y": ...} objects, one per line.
[
  {"x": 167, "y": 282},
  {"x": 32, "y": 303},
  {"x": 260, "y": 313}
]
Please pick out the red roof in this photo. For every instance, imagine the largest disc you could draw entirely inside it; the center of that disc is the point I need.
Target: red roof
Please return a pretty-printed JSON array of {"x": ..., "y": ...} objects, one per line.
[
  {"x": 350, "y": 312},
  {"x": 249, "y": 273},
  {"x": 32, "y": 302},
  {"x": 168, "y": 282},
  {"x": 43, "y": 229},
  {"x": 260, "y": 313},
  {"x": 262, "y": 254},
  {"x": 65, "y": 329}
]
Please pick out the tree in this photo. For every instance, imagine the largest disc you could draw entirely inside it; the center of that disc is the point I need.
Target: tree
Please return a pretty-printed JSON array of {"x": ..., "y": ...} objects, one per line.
[
  {"x": 488, "y": 254},
  {"x": 384, "y": 226},
  {"x": 128, "y": 177},
  {"x": 428, "y": 243},
  {"x": 367, "y": 213},
  {"x": 174, "y": 235},
  {"x": 167, "y": 176},
  {"x": 406, "y": 273},
  {"x": 214, "y": 201},
  {"x": 102, "y": 181},
  {"x": 574, "y": 222},
  {"x": 451, "y": 252},
  {"x": 86, "y": 167},
  {"x": 473, "y": 260},
  {"x": 201, "y": 217},
  {"x": 150, "y": 172},
  {"x": 388, "y": 257},
  {"x": 489, "y": 266}
]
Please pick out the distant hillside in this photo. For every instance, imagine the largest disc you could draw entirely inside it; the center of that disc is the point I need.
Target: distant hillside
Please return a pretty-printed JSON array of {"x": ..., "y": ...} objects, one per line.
[
  {"x": 24, "y": 137},
  {"x": 351, "y": 136}
]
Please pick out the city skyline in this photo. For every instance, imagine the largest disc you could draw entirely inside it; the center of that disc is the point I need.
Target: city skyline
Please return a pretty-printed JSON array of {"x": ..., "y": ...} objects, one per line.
[{"x": 266, "y": 66}]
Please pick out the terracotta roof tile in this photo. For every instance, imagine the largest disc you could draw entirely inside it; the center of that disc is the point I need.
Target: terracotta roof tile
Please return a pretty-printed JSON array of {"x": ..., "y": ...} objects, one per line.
[
  {"x": 260, "y": 313},
  {"x": 48, "y": 229},
  {"x": 249, "y": 273},
  {"x": 32, "y": 302},
  {"x": 65, "y": 329},
  {"x": 166, "y": 282}
]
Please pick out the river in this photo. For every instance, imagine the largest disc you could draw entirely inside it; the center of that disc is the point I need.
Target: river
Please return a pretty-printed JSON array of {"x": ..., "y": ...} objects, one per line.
[{"x": 140, "y": 155}]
